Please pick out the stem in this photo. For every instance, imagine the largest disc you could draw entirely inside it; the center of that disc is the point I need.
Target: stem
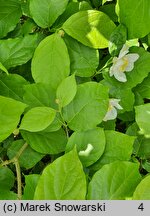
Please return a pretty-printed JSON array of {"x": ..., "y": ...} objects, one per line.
[
  {"x": 15, "y": 160},
  {"x": 64, "y": 123},
  {"x": 21, "y": 150},
  {"x": 18, "y": 171}
]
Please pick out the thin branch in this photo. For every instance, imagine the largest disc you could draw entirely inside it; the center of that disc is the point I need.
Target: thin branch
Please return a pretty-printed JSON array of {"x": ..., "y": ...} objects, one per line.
[
  {"x": 18, "y": 171},
  {"x": 15, "y": 160}
]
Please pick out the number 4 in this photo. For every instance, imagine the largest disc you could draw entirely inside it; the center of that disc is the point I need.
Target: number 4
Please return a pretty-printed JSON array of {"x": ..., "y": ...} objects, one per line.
[{"x": 141, "y": 207}]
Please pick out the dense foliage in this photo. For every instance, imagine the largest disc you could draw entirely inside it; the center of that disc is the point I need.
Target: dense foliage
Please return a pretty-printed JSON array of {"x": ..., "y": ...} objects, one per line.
[{"x": 74, "y": 99}]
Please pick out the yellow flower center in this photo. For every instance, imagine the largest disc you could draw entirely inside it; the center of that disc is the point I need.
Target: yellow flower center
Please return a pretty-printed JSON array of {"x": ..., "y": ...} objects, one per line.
[
  {"x": 110, "y": 107},
  {"x": 124, "y": 65}
]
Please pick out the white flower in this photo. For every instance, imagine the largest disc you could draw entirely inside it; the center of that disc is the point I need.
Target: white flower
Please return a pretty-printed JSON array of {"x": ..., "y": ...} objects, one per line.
[
  {"x": 112, "y": 109},
  {"x": 87, "y": 151},
  {"x": 124, "y": 62}
]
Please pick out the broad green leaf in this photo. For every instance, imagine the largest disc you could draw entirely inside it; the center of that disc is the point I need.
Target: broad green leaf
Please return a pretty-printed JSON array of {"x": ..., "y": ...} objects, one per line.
[
  {"x": 25, "y": 7},
  {"x": 30, "y": 185},
  {"x": 7, "y": 178},
  {"x": 117, "y": 40},
  {"x": 17, "y": 51},
  {"x": 89, "y": 27},
  {"x": 95, "y": 137},
  {"x": 55, "y": 125},
  {"x": 104, "y": 1},
  {"x": 10, "y": 13},
  {"x": 144, "y": 88},
  {"x": 71, "y": 8},
  {"x": 142, "y": 192},
  {"x": 64, "y": 179},
  {"x": 129, "y": 11},
  {"x": 7, "y": 195},
  {"x": 97, "y": 3},
  {"x": 3, "y": 68},
  {"x": 144, "y": 148},
  {"x": 119, "y": 146},
  {"x": 109, "y": 9},
  {"x": 37, "y": 119},
  {"x": 146, "y": 165},
  {"x": 88, "y": 108},
  {"x": 46, "y": 142},
  {"x": 28, "y": 159},
  {"x": 139, "y": 72},
  {"x": 51, "y": 64},
  {"x": 37, "y": 94},
  {"x": 83, "y": 60},
  {"x": 28, "y": 27},
  {"x": 45, "y": 12},
  {"x": 142, "y": 116},
  {"x": 84, "y": 5},
  {"x": 114, "y": 181},
  {"x": 66, "y": 91},
  {"x": 12, "y": 86},
  {"x": 10, "y": 112}
]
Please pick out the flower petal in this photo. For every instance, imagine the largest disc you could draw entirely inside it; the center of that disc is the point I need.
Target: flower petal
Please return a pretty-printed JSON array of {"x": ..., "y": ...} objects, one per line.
[
  {"x": 115, "y": 103},
  {"x": 120, "y": 76},
  {"x": 123, "y": 51},
  {"x": 129, "y": 67},
  {"x": 133, "y": 57},
  {"x": 111, "y": 71},
  {"x": 110, "y": 115}
]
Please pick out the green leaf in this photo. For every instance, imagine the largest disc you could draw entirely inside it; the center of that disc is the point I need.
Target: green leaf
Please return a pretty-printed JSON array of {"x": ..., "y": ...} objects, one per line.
[
  {"x": 7, "y": 195},
  {"x": 142, "y": 192},
  {"x": 144, "y": 88},
  {"x": 66, "y": 91},
  {"x": 128, "y": 12},
  {"x": 45, "y": 12},
  {"x": 144, "y": 149},
  {"x": 12, "y": 86},
  {"x": 10, "y": 11},
  {"x": 7, "y": 178},
  {"x": 88, "y": 108},
  {"x": 37, "y": 119},
  {"x": 37, "y": 94},
  {"x": 146, "y": 165},
  {"x": 142, "y": 116},
  {"x": 10, "y": 112},
  {"x": 51, "y": 64},
  {"x": 17, "y": 51},
  {"x": 95, "y": 137},
  {"x": 64, "y": 179},
  {"x": 89, "y": 27},
  {"x": 25, "y": 7},
  {"x": 3, "y": 68},
  {"x": 119, "y": 146},
  {"x": 30, "y": 185},
  {"x": 84, "y": 5},
  {"x": 109, "y": 9},
  {"x": 46, "y": 142},
  {"x": 71, "y": 8},
  {"x": 28, "y": 159},
  {"x": 104, "y": 1},
  {"x": 114, "y": 181},
  {"x": 117, "y": 40},
  {"x": 83, "y": 60}
]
